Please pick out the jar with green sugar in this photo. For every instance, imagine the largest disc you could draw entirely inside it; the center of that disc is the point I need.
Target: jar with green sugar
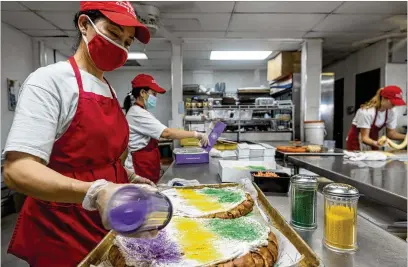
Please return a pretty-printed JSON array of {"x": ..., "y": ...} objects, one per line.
[{"x": 303, "y": 201}]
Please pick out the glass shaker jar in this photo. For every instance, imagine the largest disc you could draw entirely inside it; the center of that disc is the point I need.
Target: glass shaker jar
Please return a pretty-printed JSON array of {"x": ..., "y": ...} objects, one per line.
[
  {"x": 134, "y": 209},
  {"x": 340, "y": 217},
  {"x": 303, "y": 201}
]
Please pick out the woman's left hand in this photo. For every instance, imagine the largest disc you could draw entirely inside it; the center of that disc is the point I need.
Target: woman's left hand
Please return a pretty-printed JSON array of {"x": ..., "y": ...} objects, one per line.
[{"x": 136, "y": 179}]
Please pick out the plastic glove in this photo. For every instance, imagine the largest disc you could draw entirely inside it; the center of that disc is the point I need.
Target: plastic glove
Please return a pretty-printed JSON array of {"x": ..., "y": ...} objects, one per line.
[
  {"x": 136, "y": 179},
  {"x": 202, "y": 137},
  {"x": 98, "y": 196}
]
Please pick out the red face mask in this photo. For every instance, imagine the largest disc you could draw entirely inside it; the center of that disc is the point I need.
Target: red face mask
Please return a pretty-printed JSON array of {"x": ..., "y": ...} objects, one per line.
[{"x": 105, "y": 53}]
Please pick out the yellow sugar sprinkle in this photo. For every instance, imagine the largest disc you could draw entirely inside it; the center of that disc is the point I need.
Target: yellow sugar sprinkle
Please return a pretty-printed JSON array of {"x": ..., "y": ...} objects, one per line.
[
  {"x": 196, "y": 241},
  {"x": 199, "y": 201}
]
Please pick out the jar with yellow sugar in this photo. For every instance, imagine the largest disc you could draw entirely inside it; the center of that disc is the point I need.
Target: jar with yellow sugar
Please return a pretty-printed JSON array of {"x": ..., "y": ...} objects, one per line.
[{"x": 340, "y": 217}]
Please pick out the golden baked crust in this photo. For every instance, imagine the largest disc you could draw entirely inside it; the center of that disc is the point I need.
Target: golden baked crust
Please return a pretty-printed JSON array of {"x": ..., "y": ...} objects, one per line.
[
  {"x": 265, "y": 257},
  {"x": 292, "y": 149},
  {"x": 242, "y": 209},
  {"x": 314, "y": 148}
]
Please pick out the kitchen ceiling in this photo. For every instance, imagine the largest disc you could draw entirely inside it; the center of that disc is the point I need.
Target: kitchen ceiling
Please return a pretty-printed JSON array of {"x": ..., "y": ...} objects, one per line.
[{"x": 204, "y": 26}]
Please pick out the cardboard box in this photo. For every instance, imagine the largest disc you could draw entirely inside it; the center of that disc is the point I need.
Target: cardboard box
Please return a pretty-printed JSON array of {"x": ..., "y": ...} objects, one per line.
[
  {"x": 234, "y": 170},
  {"x": 243, "y": 150},
  {"x": 269, "y": 150},
  {"x": 283, "y": 64}
]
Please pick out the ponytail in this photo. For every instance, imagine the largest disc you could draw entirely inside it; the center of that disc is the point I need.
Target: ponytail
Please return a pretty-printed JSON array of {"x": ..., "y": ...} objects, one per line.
[
  {"x": 374, "y": 102},
  {"x": 127, "y": 103},
  {"x": 132, "y": 96}
]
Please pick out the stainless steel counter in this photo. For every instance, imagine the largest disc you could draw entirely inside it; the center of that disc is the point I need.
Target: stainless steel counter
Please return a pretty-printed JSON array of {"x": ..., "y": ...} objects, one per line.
[
  {"x": 382, "y": 181},
  {"x": 377, "y": 247}
]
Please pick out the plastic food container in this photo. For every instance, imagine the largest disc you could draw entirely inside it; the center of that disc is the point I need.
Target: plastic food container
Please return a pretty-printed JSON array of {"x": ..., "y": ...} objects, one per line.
[
  {"x": 340, "y": 217},
  {"x": 303, "y": 201},
  {"x": 272, "y": 184}
]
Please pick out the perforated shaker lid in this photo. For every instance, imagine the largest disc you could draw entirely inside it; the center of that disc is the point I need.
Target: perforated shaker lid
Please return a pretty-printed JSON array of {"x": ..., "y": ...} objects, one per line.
[
  {"x": 306, "y": 180},
  {"x": 340, "y": 190}
]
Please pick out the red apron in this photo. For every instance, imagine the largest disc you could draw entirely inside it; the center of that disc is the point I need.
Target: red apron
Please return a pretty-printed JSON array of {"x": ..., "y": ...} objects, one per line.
[
  {"x": 60, "y": 234},
  {"x": 146, "y": 161},
  {"x": 353, "y": 141}
]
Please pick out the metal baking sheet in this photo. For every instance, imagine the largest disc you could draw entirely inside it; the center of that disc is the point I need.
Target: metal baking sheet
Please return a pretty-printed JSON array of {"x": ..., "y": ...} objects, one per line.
[
  {"x": 337, "y": 152},
  {"x": 309, "y": 258}
]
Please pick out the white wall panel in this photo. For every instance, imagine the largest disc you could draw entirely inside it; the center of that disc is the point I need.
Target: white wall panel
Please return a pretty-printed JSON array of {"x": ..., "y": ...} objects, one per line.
[{"x": 17, "y": 64}]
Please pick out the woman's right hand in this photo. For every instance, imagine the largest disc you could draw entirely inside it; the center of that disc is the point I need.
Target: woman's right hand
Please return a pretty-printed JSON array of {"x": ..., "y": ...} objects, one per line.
[
  {"x": 202, "y": 137},
  {"x": 103, "y": 193}
]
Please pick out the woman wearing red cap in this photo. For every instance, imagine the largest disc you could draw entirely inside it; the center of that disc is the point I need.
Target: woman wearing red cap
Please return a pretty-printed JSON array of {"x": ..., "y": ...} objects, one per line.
[
  {"x": 67, "y": 138},
  {"x": 146, "y": 130},
  {"x": 372, "y": 116}
]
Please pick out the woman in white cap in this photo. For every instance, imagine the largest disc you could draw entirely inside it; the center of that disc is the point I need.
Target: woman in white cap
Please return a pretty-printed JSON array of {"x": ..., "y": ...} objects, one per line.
[
  {"x": 67, "y": 138},
  {"x": 146, "y": 130}
]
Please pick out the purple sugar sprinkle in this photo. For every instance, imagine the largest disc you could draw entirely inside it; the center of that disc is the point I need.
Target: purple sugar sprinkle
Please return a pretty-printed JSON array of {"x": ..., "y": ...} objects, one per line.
[{"x": 160, "y": 250}]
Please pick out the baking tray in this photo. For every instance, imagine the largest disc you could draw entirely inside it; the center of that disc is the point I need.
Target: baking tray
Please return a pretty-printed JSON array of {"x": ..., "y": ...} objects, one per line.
[
  {"x": 272, "y": 184},
  {"x": 337, "y": 152},
  {"x": 309, "y": 258}
]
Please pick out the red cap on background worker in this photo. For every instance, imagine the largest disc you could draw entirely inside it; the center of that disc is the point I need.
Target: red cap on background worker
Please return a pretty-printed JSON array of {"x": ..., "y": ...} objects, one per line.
[
  {"x": 372, "y": 116},
  {"x": 146, "y": 130},
  {"x": 66, "y": 139}
]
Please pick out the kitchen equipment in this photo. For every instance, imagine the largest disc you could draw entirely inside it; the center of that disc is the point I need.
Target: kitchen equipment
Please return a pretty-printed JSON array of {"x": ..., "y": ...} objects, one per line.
[
  {"x": 303, "y": 201},
  {"x": 228, "y": 101},
  {"x": 133, "y": 209},
  {"x": 340, "y": 217}
]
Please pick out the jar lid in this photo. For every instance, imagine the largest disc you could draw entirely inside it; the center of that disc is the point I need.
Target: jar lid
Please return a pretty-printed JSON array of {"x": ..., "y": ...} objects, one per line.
[
  {"x": 304, "y": 180},
  {"x": 340, "y": 190}
]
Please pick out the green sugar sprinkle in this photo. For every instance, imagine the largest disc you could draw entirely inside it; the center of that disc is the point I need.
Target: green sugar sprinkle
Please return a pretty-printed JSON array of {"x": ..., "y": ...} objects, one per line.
[
  {"x": 257, "y": 168},
  {"x": 239, "y": 229},
  {"x": 223, "y": 195}
]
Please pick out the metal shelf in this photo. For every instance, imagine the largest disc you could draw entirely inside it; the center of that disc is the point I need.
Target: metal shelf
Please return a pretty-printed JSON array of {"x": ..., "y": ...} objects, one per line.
[
  {"x": 240, "y": 123},
  {"x": 201, "y": 94}
]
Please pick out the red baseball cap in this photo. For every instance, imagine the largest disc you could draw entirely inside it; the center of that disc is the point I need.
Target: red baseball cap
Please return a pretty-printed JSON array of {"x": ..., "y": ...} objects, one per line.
[
  {"x": 121, "y": 13},
  {"x": 394, "y": 94},
  {"x": 144, "y": 80}
]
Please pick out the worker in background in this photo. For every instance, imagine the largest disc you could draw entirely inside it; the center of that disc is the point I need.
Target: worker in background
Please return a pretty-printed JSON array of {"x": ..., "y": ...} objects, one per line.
[
  {"x": 146, "y": 130},
  {"x": 372, "y": 116},
  {"x": 65, "y": 144}
]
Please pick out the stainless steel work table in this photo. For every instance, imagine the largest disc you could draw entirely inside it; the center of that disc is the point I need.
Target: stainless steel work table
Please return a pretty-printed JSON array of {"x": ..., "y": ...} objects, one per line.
[
  {"x": 377, "y": 247},
  {"x": 382, "y": 181}
]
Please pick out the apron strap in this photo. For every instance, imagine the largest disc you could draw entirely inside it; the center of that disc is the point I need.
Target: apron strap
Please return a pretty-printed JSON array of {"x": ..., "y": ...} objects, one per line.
[
  {"x": 110, "y": 88},
  {"x": 77, "y": 74}
]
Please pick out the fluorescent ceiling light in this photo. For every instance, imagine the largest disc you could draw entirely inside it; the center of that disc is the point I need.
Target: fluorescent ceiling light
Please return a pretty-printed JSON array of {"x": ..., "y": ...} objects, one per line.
[
  {"x": 239, "y": 55},
  {"x": 136, "y": 55}
]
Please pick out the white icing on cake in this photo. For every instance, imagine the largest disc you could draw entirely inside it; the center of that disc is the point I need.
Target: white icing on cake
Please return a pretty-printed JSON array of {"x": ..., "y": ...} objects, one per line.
[{"x": 181, "y": 207}]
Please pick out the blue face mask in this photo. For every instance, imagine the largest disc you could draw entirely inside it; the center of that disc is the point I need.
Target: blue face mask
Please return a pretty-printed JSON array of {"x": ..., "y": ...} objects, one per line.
[{"x": 150, "y": 103}]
